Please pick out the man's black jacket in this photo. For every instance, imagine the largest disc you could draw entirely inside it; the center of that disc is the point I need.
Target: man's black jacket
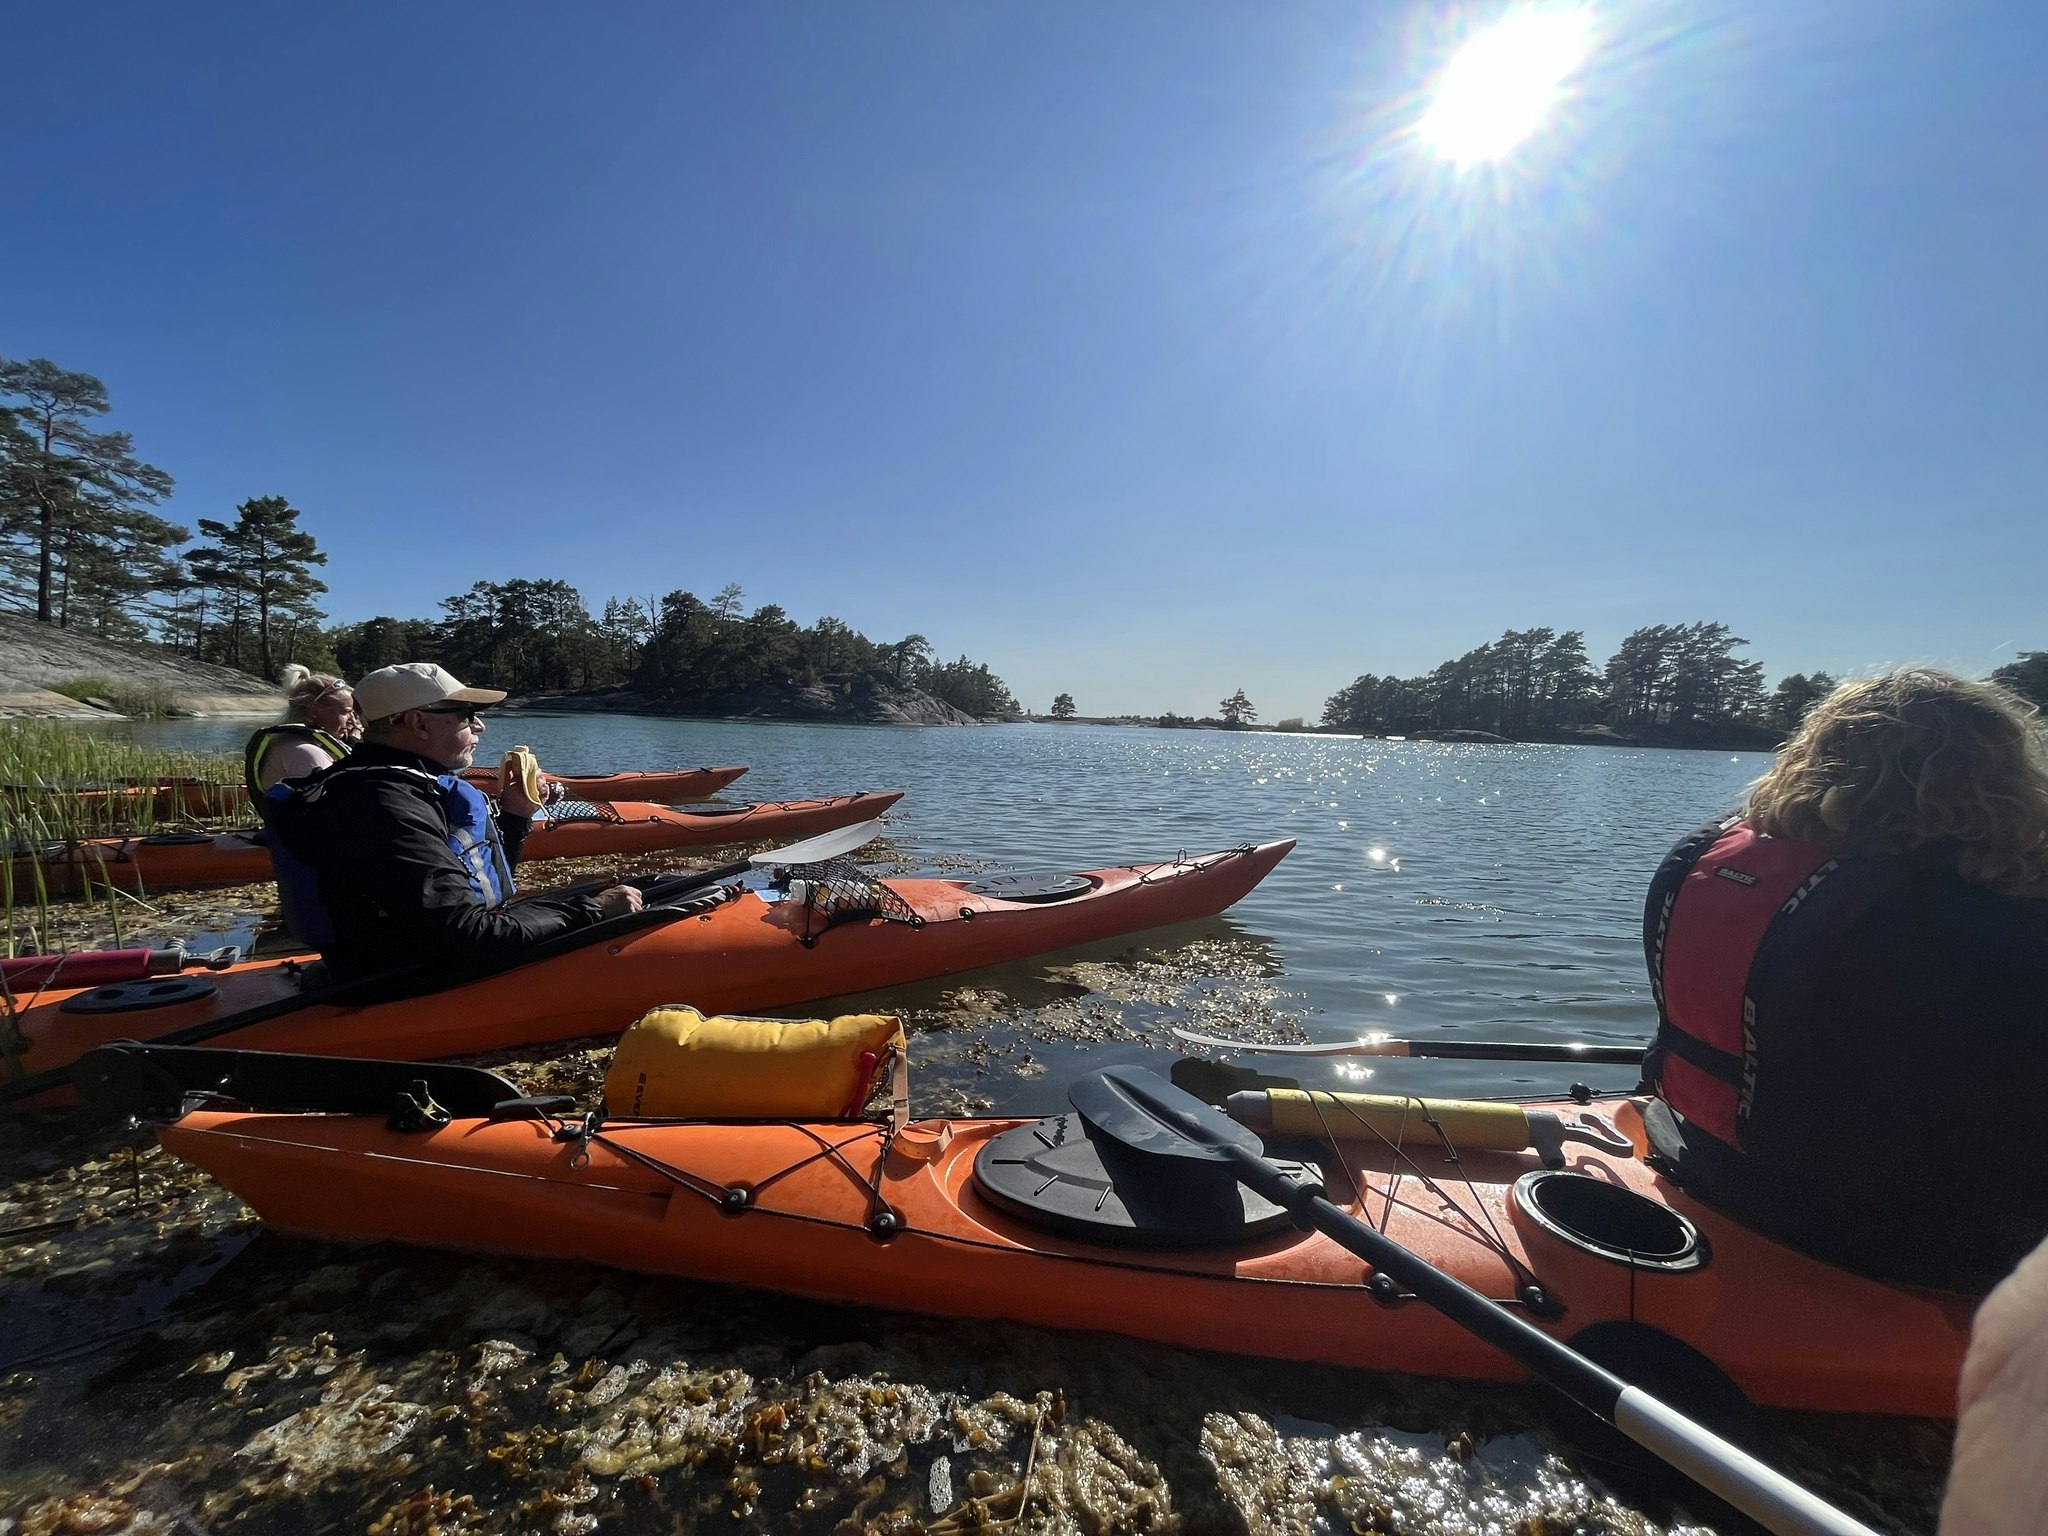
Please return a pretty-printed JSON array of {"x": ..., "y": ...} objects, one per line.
[{"x": 394, "y": 890}]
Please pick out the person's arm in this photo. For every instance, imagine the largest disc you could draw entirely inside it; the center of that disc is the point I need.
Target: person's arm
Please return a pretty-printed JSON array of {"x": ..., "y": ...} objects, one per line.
[
  {"x": 291, "y": 760},
  {"x": 397, "y": 855},
  {"x": 1998, "y": 1482},
  {"x": 512, "y": 832}
]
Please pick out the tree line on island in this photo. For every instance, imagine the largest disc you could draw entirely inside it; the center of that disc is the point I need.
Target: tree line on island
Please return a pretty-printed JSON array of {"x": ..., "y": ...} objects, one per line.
[
  {"x": 530, "y": 636},
  {"x": 1676, "y": 683},
  {"x": 81, "y": 548}
]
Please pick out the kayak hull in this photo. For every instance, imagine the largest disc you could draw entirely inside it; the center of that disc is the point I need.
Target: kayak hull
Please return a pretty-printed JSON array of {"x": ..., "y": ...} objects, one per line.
[
  {"x": 670, "y": 787},
  {"x": 1792, "y": 1332},
  {"x": 189, "y": 861},
  {"x": 738, "y": 956}
]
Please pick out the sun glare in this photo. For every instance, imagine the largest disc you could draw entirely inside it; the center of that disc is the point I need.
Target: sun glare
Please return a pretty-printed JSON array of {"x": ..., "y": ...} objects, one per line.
[{"x": 1499, "y": 87}]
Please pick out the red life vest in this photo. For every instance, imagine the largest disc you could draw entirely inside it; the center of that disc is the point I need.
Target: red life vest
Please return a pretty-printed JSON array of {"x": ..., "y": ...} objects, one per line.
[{"x": 1712, "y": 925}]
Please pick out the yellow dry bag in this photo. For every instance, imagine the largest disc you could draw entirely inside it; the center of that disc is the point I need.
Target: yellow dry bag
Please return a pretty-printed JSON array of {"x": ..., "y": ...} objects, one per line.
[{"x": 677, "y": 1064}]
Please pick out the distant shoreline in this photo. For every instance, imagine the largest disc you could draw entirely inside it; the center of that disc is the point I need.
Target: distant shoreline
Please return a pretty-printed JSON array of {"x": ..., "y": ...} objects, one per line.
[{"x": 1738, "y": 740}]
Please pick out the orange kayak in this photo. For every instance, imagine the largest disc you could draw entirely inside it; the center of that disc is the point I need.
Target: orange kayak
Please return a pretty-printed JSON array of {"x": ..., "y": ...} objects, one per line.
[
  {"x": 737, "y": 954},
  {"x": 567, "y": 829},
  {"x": 129, "y": 799},
  {"x": 661, "y": 788},
  {"x": 923, "y": 1221}
]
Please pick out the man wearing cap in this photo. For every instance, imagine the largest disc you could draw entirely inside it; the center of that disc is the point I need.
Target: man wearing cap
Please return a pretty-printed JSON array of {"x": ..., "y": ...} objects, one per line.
[{"x": 414, "y": 865}]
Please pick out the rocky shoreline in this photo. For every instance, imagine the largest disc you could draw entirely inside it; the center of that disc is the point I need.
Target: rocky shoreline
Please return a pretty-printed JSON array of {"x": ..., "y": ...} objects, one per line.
[{"x": 42, "y": 668}]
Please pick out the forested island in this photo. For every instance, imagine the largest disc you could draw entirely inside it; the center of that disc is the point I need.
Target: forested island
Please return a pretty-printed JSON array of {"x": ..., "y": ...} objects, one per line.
[
  {"x": 81, "y": 548},
  {"x": 83, "y": 551}
]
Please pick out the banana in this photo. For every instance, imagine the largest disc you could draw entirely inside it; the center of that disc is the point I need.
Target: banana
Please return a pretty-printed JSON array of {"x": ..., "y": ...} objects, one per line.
[{"x": 521, "y": 767}]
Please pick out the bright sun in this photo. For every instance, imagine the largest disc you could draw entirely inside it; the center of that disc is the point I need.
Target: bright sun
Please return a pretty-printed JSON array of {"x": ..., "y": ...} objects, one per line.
[{"x": 1499, "y": 87}]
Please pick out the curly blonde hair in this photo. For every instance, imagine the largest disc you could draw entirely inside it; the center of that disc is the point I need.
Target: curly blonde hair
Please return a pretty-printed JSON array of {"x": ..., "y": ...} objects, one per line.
[{"x": 1914, "y": 758}]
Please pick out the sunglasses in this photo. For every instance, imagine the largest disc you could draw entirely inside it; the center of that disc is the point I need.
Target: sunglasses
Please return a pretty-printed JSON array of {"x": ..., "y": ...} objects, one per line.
[{"x": 462, "y": 711}]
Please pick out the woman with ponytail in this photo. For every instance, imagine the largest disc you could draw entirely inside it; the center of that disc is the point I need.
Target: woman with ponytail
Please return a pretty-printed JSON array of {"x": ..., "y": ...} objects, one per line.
[{"x": 319, "y": 727}]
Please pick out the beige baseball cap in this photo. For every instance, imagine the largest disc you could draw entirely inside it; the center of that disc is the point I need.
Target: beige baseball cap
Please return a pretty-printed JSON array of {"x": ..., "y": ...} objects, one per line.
[{"x": 415, "y": 685}]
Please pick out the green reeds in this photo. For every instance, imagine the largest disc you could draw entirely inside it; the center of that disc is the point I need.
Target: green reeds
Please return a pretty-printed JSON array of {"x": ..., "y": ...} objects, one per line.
[{"x": 62, "y": 788}]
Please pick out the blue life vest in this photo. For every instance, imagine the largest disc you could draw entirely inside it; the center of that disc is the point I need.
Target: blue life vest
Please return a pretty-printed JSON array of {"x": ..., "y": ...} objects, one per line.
[{"x": 472, "y": 838}]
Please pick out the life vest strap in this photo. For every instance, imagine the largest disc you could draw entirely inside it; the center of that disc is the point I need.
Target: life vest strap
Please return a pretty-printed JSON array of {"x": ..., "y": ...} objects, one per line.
[{"x": 1694, "y": 1051}]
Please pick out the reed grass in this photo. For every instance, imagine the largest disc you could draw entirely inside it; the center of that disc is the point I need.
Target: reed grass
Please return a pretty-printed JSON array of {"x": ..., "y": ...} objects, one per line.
[
  {"x": 61, "y": 787},
  {"x": 138, "y": 701}
]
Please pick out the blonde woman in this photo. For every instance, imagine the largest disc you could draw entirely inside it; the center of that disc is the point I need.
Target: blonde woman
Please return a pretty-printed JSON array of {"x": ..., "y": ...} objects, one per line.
[
  {"x": 319, "y": 727},
  {"x": 1851, "y": 978}
]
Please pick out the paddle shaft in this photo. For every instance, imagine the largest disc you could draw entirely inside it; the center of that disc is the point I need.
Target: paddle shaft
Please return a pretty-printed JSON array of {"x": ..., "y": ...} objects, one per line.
[
  {"x": 1720, "y": 1467},
  {"x": 1509, "y": 1050},
  {"x": 1444, "y": 1050}
]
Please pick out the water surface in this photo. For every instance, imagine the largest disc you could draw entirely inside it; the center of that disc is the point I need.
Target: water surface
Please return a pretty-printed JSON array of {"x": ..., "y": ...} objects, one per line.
[{"x": 1487, "y": 892}]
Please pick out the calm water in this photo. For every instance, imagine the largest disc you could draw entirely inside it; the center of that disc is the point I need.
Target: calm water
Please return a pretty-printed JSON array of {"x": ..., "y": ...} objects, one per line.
[{"x": 1483, "y": 891}]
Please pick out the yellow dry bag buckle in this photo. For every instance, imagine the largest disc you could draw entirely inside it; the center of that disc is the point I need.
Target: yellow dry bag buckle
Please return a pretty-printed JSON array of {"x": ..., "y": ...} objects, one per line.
[
  {"x": 677, "y": 1064},
  {"x": 816, "y": 897}
]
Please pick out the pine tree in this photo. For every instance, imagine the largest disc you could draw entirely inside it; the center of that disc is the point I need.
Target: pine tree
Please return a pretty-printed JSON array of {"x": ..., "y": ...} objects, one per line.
[
  {"x": 1238, "y": 711},
  {"x": 263, "y": 562},
  {"x": 2028, "y": 677},
  {"x": 1063, "y": 707},
  {"x": 74, "y": 524}
]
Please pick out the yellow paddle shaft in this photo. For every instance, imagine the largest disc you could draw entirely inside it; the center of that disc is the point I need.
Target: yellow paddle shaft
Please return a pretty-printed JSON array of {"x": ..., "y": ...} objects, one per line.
[{"x": 1470, "y": 1124}]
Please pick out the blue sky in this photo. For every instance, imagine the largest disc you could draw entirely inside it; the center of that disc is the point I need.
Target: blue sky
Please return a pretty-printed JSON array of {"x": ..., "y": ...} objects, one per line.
[{"x": 1135, "y": 349}]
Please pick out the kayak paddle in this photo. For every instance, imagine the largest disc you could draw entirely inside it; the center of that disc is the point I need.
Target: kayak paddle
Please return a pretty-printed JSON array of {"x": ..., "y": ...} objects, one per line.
[
  {"x": 1146, "y": 1114},
  {"x": 1453, "y": 1050},
  {"x": 813, "y": 850}
]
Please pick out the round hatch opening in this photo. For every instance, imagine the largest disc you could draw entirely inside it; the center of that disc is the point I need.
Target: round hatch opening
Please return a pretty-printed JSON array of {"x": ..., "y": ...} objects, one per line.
[{"x": 1610, "y": 1222}]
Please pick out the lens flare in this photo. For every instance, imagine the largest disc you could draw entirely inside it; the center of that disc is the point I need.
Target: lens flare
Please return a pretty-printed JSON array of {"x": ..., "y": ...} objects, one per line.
[{"x": 1501, "y": 85}]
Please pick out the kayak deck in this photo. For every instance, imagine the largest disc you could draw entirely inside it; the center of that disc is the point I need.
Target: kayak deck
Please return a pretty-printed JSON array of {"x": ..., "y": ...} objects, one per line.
[
  {"x": 739, "y": 955},
  {"x": 655, "y": 1196}
]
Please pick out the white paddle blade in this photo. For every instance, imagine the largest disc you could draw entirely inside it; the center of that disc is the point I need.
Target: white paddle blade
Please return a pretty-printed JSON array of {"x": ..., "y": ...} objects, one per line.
[{"x": 826, "y": 845}]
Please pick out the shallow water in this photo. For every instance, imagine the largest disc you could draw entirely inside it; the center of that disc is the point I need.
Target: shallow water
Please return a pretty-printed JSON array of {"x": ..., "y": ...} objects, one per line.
[{"x": 165, "y": 1367}]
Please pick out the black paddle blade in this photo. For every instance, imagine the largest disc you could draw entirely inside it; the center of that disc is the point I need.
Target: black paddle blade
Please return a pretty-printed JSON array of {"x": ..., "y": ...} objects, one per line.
[
  {"x": 152, "y": 1081},
  {"x": 1142, "y": 1111}
]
